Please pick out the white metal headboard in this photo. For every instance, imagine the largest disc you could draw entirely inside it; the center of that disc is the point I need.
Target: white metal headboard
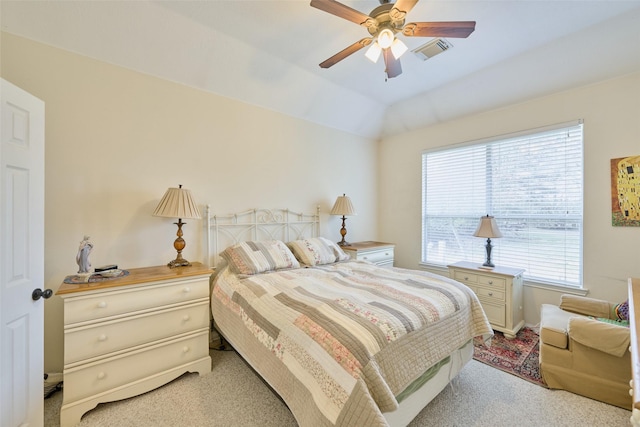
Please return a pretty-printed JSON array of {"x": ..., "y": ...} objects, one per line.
[{"x": 257, "y": 224}]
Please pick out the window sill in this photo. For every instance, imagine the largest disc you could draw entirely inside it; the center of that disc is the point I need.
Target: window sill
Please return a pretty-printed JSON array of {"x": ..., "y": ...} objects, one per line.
[{"x": 557, "y": 288}]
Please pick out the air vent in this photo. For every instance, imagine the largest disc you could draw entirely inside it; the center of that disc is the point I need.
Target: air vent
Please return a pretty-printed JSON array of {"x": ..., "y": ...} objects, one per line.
[{"x": 431, "y": 49}]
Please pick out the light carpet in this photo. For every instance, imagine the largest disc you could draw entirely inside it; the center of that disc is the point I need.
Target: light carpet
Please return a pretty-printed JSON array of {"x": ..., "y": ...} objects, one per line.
[{"x": 233, "y": 395}]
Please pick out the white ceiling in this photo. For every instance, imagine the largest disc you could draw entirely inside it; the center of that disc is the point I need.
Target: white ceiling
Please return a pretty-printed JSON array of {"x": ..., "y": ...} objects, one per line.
[{"x": 267, "y": 52}]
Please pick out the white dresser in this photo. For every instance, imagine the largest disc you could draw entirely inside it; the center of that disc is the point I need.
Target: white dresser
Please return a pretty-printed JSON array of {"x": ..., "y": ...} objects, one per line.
[
  {"x": 129, "y": 335},
  {"x": 499, "y": 291},
  {"x": 378, "y": 253}
]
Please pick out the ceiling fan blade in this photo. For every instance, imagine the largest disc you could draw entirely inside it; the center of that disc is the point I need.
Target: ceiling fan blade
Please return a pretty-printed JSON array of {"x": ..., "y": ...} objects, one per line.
[
  {"x": 403, "y": 7},
  {"x": 340, "y": 10},
  {"x": 459, "y": 29},
  {"x": 392, "y": 65},
  {"x": 346, "y": 52}
]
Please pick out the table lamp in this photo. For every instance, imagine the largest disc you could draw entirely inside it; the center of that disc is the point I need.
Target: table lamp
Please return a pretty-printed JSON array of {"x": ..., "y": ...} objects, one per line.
[
  {"x": 178, "y": 203},
  {"x": 344, "y": 207},
  {"x": 489, "y": 229}
]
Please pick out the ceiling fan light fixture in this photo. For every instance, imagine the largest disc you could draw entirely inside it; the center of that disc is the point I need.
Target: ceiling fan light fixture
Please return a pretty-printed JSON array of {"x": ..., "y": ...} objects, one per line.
[
  {"x": 373, "y": 53},
  {"x": 398, "y": 48},
  {"x": 385, "y": 38},
  {"x": 382, "y": 24}
]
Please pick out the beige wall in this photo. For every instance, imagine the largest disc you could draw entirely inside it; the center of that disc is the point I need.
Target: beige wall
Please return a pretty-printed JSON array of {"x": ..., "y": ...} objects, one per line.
[
  {"x": 117, "y": 139},
  {"x": 611, "y": 113}
]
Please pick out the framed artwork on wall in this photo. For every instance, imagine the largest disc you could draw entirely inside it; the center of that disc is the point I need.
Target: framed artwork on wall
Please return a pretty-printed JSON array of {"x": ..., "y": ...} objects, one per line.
[{"x": 625, "y": 191}]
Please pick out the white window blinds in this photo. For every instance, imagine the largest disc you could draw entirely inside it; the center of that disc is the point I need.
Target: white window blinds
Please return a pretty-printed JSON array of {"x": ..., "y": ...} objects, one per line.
[{"x": 532, "y": 183}]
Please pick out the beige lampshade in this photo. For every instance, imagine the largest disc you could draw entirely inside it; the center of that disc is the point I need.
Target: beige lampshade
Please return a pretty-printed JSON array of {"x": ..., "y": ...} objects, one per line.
[
  {"x": 177, "y": 203},
  {"x": 343, "y": 206},
  {"x": 488, "y": 228}
]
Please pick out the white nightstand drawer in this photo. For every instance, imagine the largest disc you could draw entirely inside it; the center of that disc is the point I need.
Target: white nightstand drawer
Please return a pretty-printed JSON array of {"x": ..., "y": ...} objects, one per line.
[
  {"x": 465, "y": 277},
  {"x": 378, "y": 253},
  {"x": 100, "y": 339},
  {"x": 495, "y": 313},
  {"x": 490, "y": 294},
  {"x": 99, "y": 305},
  {"x": 377, "y": 257},
  {"x": 94, "y": 378},
  {"x": 496, "y": 282}
]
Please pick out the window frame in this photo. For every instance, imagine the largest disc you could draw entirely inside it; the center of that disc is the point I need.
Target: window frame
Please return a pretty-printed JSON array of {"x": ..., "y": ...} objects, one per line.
[{"x": 573, "y": 281}]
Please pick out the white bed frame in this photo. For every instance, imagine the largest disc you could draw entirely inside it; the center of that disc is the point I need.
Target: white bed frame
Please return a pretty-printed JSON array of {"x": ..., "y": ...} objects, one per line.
[
  {"x": 257, "y": 224},
  {"x": 283, "y": 224}
]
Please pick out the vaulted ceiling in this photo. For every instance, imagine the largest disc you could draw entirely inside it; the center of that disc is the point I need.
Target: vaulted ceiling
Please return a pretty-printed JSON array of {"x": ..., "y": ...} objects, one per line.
[{"x": 267, "y": 53}]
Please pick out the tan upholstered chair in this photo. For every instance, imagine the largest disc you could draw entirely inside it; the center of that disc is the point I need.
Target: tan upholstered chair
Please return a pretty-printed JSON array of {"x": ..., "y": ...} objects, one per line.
[{"x": 583, "y": 355}]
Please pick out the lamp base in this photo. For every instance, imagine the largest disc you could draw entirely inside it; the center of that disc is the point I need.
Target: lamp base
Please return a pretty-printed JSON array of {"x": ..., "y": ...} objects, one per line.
[
  {"x": 179, "y": 245},
  {"x": 178, "y": 263},
  {"x": 343, "y": 232},
  {"x": 488, "y": 247}
]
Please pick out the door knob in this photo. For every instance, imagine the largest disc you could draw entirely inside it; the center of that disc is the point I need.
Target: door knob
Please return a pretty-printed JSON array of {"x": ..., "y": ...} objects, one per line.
[{"x": 39, "y": 293}]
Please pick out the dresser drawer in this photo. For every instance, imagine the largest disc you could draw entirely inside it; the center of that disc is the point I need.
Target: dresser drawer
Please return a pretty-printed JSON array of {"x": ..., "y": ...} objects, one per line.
[
  {"x": 98, "y": 377},
  {"x": 465, "y": 277},
  {"x": 377, "y": 257},
  {"x": 99, "y": 305},
  {"x": 100, "y": 339},
  {"x": 490, "y": 294},
  {"x": 495, "y": 313},
  {"x": 495, "y": 282}
]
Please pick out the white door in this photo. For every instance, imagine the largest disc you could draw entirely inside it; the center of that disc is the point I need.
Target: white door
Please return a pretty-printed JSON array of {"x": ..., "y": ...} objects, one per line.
[{"x": 21, "y": 258}]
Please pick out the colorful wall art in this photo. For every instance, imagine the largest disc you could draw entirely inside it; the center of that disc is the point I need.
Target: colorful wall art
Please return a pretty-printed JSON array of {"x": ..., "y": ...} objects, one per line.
[{"x": 625, "y": 191}]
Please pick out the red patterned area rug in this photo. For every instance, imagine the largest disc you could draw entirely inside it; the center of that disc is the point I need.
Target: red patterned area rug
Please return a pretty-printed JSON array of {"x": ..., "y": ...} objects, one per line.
[{"x": 518, "y": 356}]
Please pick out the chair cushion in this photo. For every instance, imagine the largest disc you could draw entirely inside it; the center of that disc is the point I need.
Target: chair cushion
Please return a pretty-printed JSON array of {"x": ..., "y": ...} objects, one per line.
[
  {"x": 553, "y": 325},
  {"x": 587, "y": 306},
  {"x": 605, "y": 337}
]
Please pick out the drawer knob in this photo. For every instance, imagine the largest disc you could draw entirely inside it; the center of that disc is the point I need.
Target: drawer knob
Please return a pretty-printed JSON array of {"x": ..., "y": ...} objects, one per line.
[
  {"x": 101, "y": 375},
  {"x": 491, "y": 282},
  {"x": 185, "y": 349},
  {"x": 102, "y": 304},
  {"x": 466, "y": 278},
  {"x": 186, "y": 289},
  {"x": 631, "y": 392},
  {"x": 186, "y": 317},
  {"x": 490, "y": 294},
  {"x": 102, "y": 337}
]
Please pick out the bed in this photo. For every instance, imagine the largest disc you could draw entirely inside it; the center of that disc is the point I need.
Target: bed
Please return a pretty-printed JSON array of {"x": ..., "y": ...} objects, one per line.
[{"x": 343, "y": 342}]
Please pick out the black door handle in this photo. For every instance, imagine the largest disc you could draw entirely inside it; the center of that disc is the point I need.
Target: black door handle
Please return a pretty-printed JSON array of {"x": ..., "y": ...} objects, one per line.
[{"x": 39, "y": 293}]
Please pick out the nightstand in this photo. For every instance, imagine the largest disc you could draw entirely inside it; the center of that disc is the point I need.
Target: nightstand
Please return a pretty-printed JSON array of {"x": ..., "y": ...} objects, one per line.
[
  {"x": 128, "y": 335},
  {"x": 499, "y": 291},
  {"x": 378, "y": 253}
]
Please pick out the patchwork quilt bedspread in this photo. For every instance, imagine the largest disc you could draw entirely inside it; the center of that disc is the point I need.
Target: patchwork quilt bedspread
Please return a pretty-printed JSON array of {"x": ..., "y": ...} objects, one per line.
[{"x": 338, "y": 342}]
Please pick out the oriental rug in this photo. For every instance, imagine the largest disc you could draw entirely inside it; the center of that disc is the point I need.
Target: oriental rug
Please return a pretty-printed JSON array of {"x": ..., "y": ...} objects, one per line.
[{"x": 517, "y": 356}]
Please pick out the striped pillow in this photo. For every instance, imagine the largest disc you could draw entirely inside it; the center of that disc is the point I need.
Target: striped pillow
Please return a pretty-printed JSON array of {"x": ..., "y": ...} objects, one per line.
[
  {"x": 317, "y": 251},
  {"x": 258, "y": 257}
]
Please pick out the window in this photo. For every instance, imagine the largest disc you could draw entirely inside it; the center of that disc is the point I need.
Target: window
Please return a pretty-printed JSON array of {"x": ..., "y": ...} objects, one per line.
[{"x": 530, "y": 182}]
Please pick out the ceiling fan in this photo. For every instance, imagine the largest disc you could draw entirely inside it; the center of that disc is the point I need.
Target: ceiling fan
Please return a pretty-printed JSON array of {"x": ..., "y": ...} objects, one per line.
[{"x": 383, "y": 23}]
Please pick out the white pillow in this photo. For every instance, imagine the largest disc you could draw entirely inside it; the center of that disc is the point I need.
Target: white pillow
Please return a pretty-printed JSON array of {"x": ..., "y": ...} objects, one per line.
[
  {"x": 257, "y": 257},
  {"x": 317, "y": 251}
]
